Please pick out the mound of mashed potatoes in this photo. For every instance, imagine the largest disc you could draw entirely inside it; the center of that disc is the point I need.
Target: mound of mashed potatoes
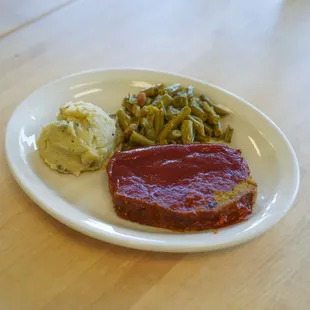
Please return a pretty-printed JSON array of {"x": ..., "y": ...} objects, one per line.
[{"x": 81, "y": 139}]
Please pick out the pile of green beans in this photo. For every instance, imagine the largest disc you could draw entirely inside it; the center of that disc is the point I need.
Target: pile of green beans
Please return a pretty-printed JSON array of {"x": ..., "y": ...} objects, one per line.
[{"x": 170, "y": 114}]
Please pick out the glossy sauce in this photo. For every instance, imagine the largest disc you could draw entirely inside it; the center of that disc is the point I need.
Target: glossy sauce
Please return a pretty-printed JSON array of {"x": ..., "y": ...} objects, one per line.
[{"x": 177, "y": 177}]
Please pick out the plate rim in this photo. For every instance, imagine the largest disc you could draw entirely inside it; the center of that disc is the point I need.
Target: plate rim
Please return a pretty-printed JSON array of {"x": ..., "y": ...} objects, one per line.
[{"x": 145, "y": 244}]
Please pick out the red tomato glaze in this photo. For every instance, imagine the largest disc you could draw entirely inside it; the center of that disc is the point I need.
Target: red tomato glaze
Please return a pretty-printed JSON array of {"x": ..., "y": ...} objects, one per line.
[{"x": 160, "y": 184}]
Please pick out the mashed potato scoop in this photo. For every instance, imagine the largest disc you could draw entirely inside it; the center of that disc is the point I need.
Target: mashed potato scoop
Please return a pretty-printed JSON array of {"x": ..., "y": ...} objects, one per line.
[{"x": 81, "y": 139}]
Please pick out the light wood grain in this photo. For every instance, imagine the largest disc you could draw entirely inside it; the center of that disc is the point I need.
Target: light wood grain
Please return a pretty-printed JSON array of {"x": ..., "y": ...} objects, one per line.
[
  {"x": 256, "y": 49},
  {"x": 16, "y": 14}
]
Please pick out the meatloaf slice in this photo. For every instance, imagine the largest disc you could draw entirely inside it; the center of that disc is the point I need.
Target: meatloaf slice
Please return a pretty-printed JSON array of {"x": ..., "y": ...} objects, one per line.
[{"x": 182, "y": 187}]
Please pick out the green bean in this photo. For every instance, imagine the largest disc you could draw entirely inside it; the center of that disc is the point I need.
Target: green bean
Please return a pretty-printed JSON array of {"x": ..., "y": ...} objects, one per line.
[
  {"x": 218, "y": 131},
  {"x": 213, "y": 117},
  {"x": 221, "y": 137},
  {"x": 187, "y": 132},
  {"x": 136, "y": 110},
  {"x": 228, "y": 134},
  {"x": 208, "y": 130},
  {"x": 123, "y": 119},
  {"x": 159, "y": 121},
  {"x": 173, "y": 89},
  {"x": 162, "y": 91},
  {"x": 150, "y": 118},
  {"x": 130, "y": 99},
  {"x": 198, "y": 125},
  {"x": 136, "y": 138},
  {"x": 162, "y": 107},
  {"x": 194, "y": 100},
  {"x": 171, "y": 112},
  {"x": 128, "y": 107},
  {"x": 206, "y": 107},
  {"x": 149, "y": 129},
  {"x": 190, "y": 91},
  {"x": 152, "y": 91},
  {"x": 174, "y": 123},
  {"x": 177, "y": 102},
  {"x": 202, "y": 139},
  {"x": 153, "y": 109},
  {"x": 148, "y": 101},
  {"x": 166, "y": 100},
  {"x": 126, "y": 147},
  {"x": 180, "y": 101},
  {"x": 157, "y": 100},
  {"x": 218, "y": 109},
  {"x": 198, "y": 111},
  {"x": 167, "y": 112},
  {"x": 144, "y": 111},
  {"x": 182, "y": 93},
  {"x": 197, "y": 119},
  {"x": 128, "y": 131},
  {"x": 175, "y": 134}
]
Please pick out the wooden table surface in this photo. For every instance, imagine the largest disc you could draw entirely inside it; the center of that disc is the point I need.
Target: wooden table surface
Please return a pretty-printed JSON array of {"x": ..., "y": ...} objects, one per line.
[{"x": 259, "y": 50}]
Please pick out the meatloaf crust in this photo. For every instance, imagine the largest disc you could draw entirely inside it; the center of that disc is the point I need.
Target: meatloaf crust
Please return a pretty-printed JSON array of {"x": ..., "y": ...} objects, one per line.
[{"x": 182, "y": 187}]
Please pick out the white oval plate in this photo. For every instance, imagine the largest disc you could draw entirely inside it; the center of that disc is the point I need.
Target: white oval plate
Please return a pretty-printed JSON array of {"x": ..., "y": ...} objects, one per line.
[{"x": 84, "y": 203}]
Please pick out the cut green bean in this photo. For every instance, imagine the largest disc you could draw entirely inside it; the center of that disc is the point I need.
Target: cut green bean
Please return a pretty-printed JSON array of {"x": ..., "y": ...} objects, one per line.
[
  {"x": 149, "y": 130},
  {"x": 217, "y": 108},
  {"x": 162, "y": 91},
  {"x": 175, "y": 134},
  {"x": 128, "y": 108},
  {"x": 171, "y": 112},
  {"x": 218, "y": 131},
  {"x": 142, "y": 131},
  {"x": 190, "y": 91},
  {"x": 144, "y": 111},
  {"x": 159, "y": 121},
  {"x": 198, "y": 125},
  {"x": 131, "y": 99},
  {"x": 174, "y": 123},
  {"x": 157, "y": 100},
  {"x": 153, "y": 109},
  {"x": 136, "y": 138},
  {"x": 213, "y": 118},
  {"x": 197, "y": 119},
  {"x": 128, "y": 131},
  {"x": 166, "y": 99},
  {"x": 150, "y": 118},
  {"x": 199, "y": 112},
  {"x": 208, "y": 130},
  {"x": 173, "y": 89},
  {"x": 187, "y": 132},
  {"x": 180, "y": 101},
  {"x": 202, "y": 139},
  {"x": 136, "y": 110},
  {"x": 148, "y": 101},
  {"x": 162, "y": 107},
  {"x": 228, "y": 134},
  {"x": 152, "y": 91},
  {"x": 123, "y": 119}
]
